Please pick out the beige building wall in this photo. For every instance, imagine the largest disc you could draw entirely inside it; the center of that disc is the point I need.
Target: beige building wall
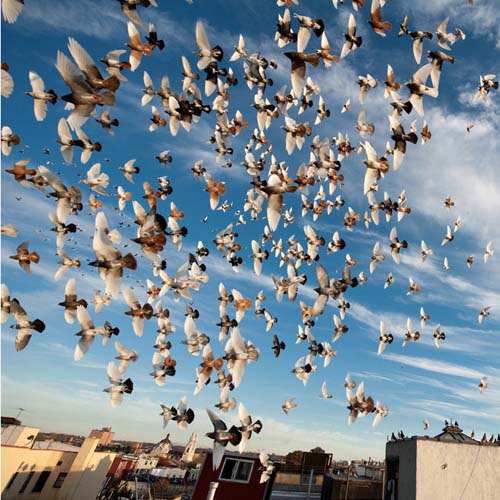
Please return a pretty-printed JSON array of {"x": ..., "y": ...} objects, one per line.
[
  {"x": 24, "y": 461},
  {"x": 105, "y": 435},
  {"x": 438, "y": 470},
  {"x": 86, "y": 471},
  {"x": 451, "y": 471},
  {"x": 294, "y": 478}
]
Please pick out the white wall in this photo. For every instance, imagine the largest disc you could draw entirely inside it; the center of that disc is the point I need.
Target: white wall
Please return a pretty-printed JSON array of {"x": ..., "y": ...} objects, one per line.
[
  {"x": 452, "y": 471},
  {"x": 436, "y": 470}
]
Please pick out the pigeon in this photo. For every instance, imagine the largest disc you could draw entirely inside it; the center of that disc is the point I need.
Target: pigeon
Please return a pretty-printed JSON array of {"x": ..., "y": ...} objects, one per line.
[
  {"x": 448, "y": 237},
  {"x": 447, "y": 38},
  {"x": 425, "y": 251},
  {"x": 125, "y": 356},
  {"x": 88, "y": 67},
  {"x": 376, "y": 257},
  {"x": 486, "y": 83},
  {"x": 118, "y": 386},
  {"x": 277, "y": 346},
  {"x": 5, "y": 303},
  {"x": 24, "y": 325},
  {"x": 247, "y": 427},
  {"x": 238, "y": 354},
  {"x": 380, "y": 411},
  {"x": 375, "y": 20},
  {"x": 483, "y": 384},
  {"x": 205, "y": 52},
  {"x": 137, "y": 48},
  {"x": 24, "y": 257},
  {"x": 438, "y": 336},
  {"x": 307, "y": 25},
  {"x": 304, "y": 368},
  {"x": 225, "y": 403},
  {"x": 384, "y": 339},
  {"x": 109, "y": 260},
  {"x": 488, "y": 252},
  {"x": 9, "y": 139},
  {"x": 107, "y": 122},
  {"x": 418, "y": 88},
  {"x": 221, "y": 437},
  {"x": 324, "y": 392},
  {"x": 83, "y": 96},
  {"x": 485, "y": 311},
  {"x": 11, "y": 10},
  {"x": 208, "y": 364},
  {"x": 87, "y": 333},
  {"x": 137, "y": 312},
  {"x": 359, "y": 405},
  {"x": 410, "y": 335},
  {"x": 267, "y": 469},
  {"x": 351, "y": 40},
  {"x": 183, "y": 415},
  {"x": 423, "y": 317},
  {"x": 71, "y": 302},
  {"x": 289, "y": 404},
  {"x": 298, "y": 69},
  {"x": 396, "y": 245},
  {"x": 40, "y": 96},
  {"x": 389, "y": 280}
]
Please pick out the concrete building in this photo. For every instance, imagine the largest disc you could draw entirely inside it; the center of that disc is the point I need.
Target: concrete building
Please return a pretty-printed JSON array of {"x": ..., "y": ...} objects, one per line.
[
  {"x": 449, "y": 466},
  {"x": 163, "y": 448},
  {"x": 145, "y": 464},
  {"x": 105, "y": 435},
  {"x": 47, "y": 473}
]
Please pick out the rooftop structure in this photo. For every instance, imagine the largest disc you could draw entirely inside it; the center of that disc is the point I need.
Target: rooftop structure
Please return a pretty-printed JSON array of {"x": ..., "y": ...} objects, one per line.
[
  {"x": 105, "y": 435},
  {"x": 448, "y": 466},
  {"x": 238, "y": 477}
]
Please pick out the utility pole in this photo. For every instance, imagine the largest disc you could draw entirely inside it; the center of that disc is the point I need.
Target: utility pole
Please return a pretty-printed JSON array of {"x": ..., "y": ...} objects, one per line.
[
  {"x": 383, "y": 481},
  {"x": 20, "y": 411},
  {"x": 347, "y": 484},
  {"x": 310, "y": 484}
]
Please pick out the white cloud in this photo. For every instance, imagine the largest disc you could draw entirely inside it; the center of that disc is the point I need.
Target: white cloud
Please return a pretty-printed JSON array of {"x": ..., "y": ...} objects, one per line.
[{"x": 436, "y": 366}]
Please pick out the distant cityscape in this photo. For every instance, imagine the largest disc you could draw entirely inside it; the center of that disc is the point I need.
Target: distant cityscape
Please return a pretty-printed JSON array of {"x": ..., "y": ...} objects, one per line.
[{"x": 66, "y": 466}]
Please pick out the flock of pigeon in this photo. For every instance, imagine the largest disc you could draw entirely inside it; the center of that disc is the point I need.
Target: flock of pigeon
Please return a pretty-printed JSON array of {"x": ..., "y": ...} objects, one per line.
[{"x": 271, "y": 184}]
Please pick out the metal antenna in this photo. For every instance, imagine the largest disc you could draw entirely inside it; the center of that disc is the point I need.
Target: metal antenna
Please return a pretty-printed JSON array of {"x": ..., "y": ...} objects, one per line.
[{"x": 19, "y": 413}]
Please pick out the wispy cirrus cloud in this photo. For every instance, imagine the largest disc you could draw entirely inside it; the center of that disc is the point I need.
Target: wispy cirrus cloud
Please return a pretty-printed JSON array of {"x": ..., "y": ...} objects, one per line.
[{"x": 436, "y": 366}]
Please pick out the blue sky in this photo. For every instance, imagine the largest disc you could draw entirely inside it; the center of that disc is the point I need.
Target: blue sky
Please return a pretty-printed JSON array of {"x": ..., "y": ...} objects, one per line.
[{"x": 417, "y": 382}]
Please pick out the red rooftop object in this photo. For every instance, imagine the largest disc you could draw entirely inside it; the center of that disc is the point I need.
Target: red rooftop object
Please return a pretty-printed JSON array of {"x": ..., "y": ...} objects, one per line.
[
  {"x": 238, "y": 477},
  {"x": 121, "y": 467}
]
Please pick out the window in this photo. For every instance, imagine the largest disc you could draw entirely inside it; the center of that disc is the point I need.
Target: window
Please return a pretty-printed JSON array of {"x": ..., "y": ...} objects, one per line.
[
  {"x": 60, "y": 480},
  {"x": 12, "y": 479},
  {"x": 59, "y": 463},
  {"x": 42, "y": 479},
  {"x": 27, "y": 480},
  {"x": 236, "y": 470}
]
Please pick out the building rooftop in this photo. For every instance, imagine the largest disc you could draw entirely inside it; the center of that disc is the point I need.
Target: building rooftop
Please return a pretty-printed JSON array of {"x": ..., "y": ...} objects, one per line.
[
  {"x": 10, "y": 421},
  {"x": 54, "y": 445},
  {"x": 452, "y": 432}
]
